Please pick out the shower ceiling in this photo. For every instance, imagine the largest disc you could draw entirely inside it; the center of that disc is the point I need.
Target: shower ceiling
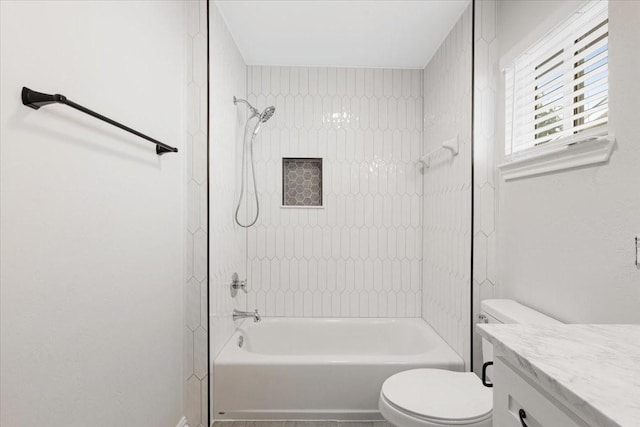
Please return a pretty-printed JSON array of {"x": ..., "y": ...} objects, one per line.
[{"x": 378, "y": 34}]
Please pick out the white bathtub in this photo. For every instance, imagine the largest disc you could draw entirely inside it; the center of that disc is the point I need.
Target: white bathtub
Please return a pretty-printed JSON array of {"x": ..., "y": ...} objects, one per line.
[{"x": 299, "y": 368}]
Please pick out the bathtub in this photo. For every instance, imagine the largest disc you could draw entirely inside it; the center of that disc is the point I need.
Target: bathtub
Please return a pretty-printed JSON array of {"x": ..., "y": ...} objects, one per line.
[{"x": 311, "y": 368}]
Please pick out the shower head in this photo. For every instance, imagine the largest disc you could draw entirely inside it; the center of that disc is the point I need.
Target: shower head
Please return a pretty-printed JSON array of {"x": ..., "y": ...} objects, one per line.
[
  {"x": 267, "y": 113},
  {"x": 262, "y": 118}
]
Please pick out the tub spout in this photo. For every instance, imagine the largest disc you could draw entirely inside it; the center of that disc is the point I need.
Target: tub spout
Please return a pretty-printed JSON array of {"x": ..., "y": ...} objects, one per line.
[{"x": 244, "y": 314}]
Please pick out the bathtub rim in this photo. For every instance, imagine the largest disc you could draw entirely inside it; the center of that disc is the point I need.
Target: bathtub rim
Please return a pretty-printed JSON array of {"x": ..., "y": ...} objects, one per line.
[{"x": 443, "y": 353}]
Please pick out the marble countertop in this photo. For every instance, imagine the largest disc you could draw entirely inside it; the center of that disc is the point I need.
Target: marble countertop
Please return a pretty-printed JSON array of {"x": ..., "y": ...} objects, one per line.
[{"x": 594, "y": 370}]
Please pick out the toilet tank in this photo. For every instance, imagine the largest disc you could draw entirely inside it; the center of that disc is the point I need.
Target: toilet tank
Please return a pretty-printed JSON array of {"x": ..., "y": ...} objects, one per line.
[{"x": 508, "y": 311}]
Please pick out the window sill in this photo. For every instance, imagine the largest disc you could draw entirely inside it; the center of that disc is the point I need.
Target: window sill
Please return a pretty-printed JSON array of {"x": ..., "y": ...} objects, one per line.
[{"x": 592, "y": 150}]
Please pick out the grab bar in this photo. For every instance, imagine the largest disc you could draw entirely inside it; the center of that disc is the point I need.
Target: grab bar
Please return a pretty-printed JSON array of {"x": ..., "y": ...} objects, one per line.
[{"x": 451, "y": 145}]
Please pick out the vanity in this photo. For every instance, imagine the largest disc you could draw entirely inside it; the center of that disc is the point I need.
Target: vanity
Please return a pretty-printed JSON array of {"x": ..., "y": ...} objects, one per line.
[{"x": 565, "y": 375}]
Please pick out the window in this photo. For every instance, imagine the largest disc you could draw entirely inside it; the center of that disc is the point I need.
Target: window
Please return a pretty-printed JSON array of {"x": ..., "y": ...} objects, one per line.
[{"x": 557, "y": 92}]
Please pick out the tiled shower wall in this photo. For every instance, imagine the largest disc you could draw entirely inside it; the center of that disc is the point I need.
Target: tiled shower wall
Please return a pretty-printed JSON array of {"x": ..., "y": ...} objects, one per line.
[
  {"x": 447, "y": 189},
  {"x": 227, "y": 244},
  {"x": 360, "y": 254},
  {"x": 485, "y": 86},
  {"x": 195, "y": 369}
]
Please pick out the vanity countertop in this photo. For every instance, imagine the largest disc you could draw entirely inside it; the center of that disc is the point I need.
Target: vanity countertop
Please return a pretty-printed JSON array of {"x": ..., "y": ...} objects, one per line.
[{"x": 594, "y": 370}]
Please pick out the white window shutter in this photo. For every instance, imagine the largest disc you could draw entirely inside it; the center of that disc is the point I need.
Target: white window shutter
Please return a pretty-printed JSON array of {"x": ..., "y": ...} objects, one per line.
[{"x": 559, "y": 87}]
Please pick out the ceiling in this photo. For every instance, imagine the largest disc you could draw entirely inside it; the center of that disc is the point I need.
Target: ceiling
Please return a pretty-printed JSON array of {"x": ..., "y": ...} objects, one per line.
[{"x": 340, "y": 33}]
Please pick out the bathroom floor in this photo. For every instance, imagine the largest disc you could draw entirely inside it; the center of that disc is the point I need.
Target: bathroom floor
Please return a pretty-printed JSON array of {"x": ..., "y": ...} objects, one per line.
[{"x": 302, "y": 424}]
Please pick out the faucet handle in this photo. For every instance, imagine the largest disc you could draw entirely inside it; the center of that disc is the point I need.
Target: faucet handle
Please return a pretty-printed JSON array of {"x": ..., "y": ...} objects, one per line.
[{"x": 236, "y": 284}]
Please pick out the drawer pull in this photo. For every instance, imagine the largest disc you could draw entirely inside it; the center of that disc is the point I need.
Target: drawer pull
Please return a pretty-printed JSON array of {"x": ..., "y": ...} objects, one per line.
[
  {"x": 522, "y": 415},
  {"x": 484, "y": 374}
]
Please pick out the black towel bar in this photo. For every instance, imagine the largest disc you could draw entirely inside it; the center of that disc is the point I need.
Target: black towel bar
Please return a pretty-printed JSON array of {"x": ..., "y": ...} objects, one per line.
[{"x": 35, "y": 100}]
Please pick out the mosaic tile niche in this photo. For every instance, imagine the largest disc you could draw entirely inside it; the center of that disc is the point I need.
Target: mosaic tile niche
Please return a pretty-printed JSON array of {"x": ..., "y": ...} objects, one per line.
[{"x": 301, "y": 182}]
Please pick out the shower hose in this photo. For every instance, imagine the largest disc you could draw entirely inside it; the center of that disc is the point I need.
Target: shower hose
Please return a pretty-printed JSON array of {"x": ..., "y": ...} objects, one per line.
[{"x": 243, "y": 178}]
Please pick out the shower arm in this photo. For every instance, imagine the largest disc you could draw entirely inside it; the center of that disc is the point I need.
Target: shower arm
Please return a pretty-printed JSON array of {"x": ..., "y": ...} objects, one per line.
[
  {"x": 35, "y": 100},
  {"x": 254, "y": 111}
]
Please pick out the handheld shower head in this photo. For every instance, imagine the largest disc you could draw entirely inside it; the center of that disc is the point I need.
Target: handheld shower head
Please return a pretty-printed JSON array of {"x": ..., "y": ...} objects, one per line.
[
  {"x": 267, "y": 113},
  {"x": 262, "y": 118}
]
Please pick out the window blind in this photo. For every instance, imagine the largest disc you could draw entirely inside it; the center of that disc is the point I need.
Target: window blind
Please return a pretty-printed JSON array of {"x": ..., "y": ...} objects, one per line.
[{"x": 559, "y": 88}]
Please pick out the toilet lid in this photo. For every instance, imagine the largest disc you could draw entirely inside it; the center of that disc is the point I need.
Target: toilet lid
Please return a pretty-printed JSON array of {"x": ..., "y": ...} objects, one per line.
[{"x": 439, "y": 394}]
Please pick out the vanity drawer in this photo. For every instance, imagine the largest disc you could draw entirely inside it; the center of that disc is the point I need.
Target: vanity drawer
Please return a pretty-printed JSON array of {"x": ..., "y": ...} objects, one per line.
[{"x": 513, "y": 392}]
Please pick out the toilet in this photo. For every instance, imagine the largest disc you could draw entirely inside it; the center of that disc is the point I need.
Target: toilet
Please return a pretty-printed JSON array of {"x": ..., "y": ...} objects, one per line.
[{"x": 438, "y": 397}]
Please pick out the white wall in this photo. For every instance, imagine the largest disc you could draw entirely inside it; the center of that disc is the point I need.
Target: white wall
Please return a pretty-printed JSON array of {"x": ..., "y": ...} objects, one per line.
[
  {"x": 360, "y": 255},
  {"x": 566, "y": 239},
  {"x": 447, "y": 190},
  {"x": 92, "y": 220},
  {"x": 228, "y": 244},
  {"x": 196, "y": 372}
]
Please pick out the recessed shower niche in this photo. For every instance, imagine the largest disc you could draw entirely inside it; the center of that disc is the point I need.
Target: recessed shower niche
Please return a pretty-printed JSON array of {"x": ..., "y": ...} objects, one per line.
[{"x": 302, "y": 182}]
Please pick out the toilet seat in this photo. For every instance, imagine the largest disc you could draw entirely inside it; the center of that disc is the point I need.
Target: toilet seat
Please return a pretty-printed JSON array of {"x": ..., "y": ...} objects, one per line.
[{"x": 436, "y": 397}]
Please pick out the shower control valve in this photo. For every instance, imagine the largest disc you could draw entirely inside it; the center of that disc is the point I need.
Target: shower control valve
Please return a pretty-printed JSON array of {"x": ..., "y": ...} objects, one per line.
[{"x": 236, "y": 284}]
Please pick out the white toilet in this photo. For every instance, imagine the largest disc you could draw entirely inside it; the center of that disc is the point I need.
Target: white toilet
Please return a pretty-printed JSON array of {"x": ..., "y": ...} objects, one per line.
[{"x": 438, "y": 397}]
